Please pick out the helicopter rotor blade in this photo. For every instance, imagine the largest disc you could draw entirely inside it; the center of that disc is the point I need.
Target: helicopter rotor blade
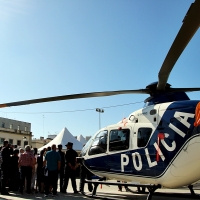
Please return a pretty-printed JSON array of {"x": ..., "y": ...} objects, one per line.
[
  {"x": 190, "y": 25},
  {"x": 183, "y": 89},
  {"x": 93, "y": 94},
  {"x": 75, "y": 96}
]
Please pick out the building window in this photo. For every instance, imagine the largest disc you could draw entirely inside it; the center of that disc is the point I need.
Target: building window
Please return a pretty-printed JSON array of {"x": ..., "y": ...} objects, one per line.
[
  {"x": 18, "y": 142},
  {"x": 18, "y": 127},
  {"x": 25, "y": 128},
  {"x": 2, "y": 140},
  {"x": 11, "y": 126},
  {"x": 25, "y": 143},
  {"x": 3, "y": 125},
  {"x": 10, "y": 141}
]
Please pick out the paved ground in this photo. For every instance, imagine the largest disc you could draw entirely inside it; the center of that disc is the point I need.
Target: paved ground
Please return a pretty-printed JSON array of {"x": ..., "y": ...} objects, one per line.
[{"x": 111, "y": 193}]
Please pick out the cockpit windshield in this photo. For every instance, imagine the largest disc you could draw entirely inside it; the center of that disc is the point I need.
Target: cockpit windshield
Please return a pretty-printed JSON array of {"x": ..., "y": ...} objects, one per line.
[{"x": 97, "y": 144}]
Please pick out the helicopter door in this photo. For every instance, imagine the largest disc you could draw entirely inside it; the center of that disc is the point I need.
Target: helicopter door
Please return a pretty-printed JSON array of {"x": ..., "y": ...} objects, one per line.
[
  {"x": 118, "y": 144},
  {"x": 142, "y": 136}
]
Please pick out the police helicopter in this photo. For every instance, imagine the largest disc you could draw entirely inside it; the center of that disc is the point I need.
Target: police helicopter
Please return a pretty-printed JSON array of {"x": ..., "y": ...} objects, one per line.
[{"x": 158, "y": 145}]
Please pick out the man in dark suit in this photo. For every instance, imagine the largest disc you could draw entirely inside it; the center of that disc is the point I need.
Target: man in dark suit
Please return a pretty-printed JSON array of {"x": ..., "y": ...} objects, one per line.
[{"x": 70, "y": 168}]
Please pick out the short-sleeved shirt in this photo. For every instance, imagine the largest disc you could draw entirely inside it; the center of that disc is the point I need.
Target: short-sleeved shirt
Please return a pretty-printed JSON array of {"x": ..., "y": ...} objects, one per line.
[
  {"x": 70, "y": 157},
  {"x": 26, "y": 159},
  {"x": 52, "y": 157}
]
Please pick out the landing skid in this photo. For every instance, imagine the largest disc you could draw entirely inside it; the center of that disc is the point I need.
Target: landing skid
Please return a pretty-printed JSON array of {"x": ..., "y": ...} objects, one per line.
[
  {"x": 141, "y": 189},
  {"x": 151, "y": 188},
  {"x": 191, "y": 190}
]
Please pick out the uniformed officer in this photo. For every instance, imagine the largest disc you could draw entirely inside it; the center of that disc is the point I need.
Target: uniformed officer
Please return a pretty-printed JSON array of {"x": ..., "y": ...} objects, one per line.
[
  {"x": 70, "y": 168},
  {"x": 62, "y": 166}
]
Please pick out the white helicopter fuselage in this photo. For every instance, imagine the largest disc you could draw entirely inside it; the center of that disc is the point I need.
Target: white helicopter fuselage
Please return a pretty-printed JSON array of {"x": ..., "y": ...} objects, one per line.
[{"x": 169, "y": 157}]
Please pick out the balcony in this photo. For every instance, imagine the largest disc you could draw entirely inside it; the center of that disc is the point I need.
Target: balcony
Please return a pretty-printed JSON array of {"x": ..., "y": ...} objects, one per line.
[{"x": 15, "y": 131}]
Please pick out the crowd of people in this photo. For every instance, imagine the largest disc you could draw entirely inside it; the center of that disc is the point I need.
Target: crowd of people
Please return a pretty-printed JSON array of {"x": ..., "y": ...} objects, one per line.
[{"x": 24, "y": 170}]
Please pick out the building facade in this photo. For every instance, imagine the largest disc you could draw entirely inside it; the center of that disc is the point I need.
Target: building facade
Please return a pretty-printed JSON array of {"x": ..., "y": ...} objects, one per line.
[
  {"x": 52, "y": 136},
  {"x": 37, "y": 143},
  {"x": 16, "y": 132}
]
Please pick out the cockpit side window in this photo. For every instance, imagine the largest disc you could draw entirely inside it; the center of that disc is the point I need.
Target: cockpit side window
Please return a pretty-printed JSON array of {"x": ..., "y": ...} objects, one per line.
[
  {"x": 119, "y": 139},
  {"x": 99, "y": 144},
  {"x": 143, "y": 136}
]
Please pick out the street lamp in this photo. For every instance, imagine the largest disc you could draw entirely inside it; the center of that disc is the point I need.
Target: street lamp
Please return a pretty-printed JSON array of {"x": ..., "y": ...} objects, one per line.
[{"x": 99, "y": 111}]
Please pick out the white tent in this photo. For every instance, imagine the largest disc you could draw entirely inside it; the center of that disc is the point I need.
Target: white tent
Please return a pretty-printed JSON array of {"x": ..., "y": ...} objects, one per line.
[
  {"x": 81, "y": 139},
  {"x": 63, "y": 138}
]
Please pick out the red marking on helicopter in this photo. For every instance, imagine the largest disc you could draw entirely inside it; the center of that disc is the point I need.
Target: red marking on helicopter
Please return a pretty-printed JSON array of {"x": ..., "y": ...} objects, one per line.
[
  {"x": 197, "y": 115},
  {"x": 161, "y": 136},
  {"x": 124, "y": 121}
]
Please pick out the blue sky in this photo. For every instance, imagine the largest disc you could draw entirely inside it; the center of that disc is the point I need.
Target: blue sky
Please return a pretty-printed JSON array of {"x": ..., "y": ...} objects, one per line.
[{"x": 50, "y": 48}]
